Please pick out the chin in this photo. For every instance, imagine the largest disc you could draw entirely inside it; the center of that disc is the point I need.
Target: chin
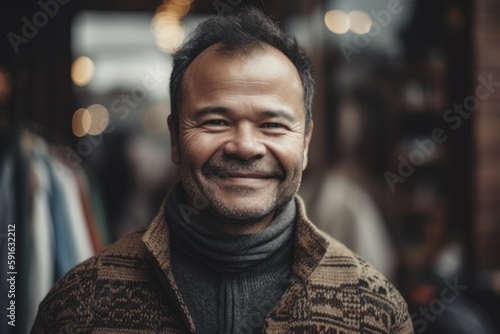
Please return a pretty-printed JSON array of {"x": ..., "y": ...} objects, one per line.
[{"x": 238, "y": 211}]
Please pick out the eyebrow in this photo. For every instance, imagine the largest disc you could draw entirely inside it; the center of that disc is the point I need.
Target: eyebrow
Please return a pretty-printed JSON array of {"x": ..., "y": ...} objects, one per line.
[
  {"x": 210, "y": 110},
  {"x": 226, "y": 111}
]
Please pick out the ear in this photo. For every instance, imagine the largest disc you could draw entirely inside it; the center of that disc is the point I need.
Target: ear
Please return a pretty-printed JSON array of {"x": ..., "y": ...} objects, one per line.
[
  {"x": 174, "y": 142},
  {"x": 307, "y": 140}
]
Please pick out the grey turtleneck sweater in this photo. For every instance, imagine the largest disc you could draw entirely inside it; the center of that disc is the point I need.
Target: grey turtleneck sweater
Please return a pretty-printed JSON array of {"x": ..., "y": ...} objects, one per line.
[{"x": 229, "y": 283}]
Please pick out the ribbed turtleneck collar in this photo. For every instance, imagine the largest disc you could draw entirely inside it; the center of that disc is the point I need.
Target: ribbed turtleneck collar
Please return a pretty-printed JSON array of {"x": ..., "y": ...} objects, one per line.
[{"x": 223, "y": 252}]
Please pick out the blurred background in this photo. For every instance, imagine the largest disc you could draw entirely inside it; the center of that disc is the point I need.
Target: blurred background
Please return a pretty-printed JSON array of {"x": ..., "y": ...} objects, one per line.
[{"x": 404, "y": 161}]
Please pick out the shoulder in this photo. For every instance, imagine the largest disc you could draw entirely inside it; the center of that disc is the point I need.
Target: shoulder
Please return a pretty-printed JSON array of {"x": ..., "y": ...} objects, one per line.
[
  {"x": 358, "y": 282},
  {"x": 79, "y": 293},
  {"x": 113, "y": 261},
  {"x": 103, "y": 264}
]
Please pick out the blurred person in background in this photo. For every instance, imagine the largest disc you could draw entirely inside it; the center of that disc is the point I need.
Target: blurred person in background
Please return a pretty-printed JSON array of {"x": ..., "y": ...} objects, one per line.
[
  {"x": 349, "y": 199},
  {"x": 231, "y": 250}
]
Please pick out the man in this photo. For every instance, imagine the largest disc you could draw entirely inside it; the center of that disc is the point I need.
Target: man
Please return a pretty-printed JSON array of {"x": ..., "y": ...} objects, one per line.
[{"x": 231, "y": 250}]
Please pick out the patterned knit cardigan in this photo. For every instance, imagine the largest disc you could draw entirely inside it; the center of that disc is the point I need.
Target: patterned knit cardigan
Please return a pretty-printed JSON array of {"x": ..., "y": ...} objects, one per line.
[{"x": 129, "y": 288}]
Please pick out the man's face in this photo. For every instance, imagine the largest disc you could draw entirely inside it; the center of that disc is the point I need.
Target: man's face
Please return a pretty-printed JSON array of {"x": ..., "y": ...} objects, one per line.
[{"x": 241, "y": 144}]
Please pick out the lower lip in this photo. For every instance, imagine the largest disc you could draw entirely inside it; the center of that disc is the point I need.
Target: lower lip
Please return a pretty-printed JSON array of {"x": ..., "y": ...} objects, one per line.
[{"x": 255, "y": 181}]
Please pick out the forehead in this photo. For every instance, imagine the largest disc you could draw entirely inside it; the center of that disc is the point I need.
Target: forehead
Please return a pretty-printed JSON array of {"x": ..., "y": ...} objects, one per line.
[{"x": 261, "y": 63}]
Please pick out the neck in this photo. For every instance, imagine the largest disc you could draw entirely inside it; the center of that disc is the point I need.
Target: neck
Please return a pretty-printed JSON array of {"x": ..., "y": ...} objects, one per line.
[
  {"x": 233, "y": 226},
  {"x": 223, "y": 251}
]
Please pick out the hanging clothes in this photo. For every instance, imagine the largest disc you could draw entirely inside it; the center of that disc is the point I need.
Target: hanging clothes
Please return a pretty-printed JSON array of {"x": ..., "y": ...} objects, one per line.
[
  {"x": 58, "y": 216},
  {"x": 41, "y": 270},
  {"x": 68, "y": 184}
]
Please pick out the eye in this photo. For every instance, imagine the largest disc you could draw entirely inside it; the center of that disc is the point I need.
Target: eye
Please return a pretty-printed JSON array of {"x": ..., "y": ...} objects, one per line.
[
  {"x": 272, "y": 125},
  {"x": 216, "y": 122}
]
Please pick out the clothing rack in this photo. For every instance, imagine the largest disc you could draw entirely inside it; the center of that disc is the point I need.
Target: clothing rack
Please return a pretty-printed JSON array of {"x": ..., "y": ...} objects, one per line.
[{"x": 55, "y": 212}]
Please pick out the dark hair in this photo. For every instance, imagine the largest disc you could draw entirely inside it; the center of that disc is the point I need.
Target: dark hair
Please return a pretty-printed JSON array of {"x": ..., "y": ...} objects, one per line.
[{"x": 238, "y": 32}]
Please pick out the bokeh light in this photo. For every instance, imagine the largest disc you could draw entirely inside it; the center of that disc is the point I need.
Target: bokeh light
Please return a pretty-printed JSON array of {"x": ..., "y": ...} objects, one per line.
[
  {"x": 99, "y": 119},
  {"x": 336, "y": 21},
  {"x": 359, "y": 22},
  {"x": 170, "y": 38},
  {"x": 81, "y": 122},
  {"x": 5, "y": 85},
  {"x": 166, "y": 25},
  {"x": 82, "y": 71}
]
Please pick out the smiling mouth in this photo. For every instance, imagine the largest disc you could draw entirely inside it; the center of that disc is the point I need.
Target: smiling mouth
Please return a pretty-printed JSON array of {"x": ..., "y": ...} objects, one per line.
[
  {"x": 245, "y": 179},
  {"x": 247, "y": 176},
  {"x": 243, "y": 172}
]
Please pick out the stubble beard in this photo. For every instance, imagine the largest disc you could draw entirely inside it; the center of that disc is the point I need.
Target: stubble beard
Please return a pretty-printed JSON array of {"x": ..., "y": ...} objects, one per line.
[{"x": 203, "y": 188}]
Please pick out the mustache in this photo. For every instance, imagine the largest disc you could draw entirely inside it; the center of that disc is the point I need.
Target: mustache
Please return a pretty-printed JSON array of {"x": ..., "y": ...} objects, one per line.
[{"x": 224, "y": 167}]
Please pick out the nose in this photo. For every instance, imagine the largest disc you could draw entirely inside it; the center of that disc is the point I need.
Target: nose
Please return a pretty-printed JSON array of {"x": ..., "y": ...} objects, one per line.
[{"x": 245, "y": 143}]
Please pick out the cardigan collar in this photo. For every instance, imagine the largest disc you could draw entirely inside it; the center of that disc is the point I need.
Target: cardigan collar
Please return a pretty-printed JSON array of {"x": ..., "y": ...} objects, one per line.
[{"x": 310, "y": 248}]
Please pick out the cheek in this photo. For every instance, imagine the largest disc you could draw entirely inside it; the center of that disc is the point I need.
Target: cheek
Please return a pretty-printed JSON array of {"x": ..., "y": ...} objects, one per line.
[
  {"x": 196, "y": 148},
  {"x": 289, "y": 152}
]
